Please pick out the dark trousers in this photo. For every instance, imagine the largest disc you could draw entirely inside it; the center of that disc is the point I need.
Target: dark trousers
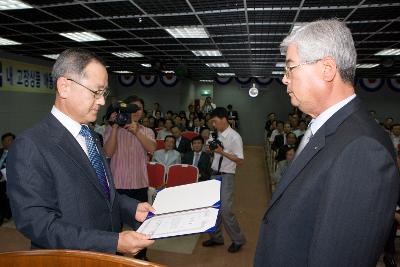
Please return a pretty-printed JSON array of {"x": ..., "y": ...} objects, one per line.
[
  {"x": 5, "y": 211},
  {"x": 390, "y": 245},
  {"x": 140, "y": 195}
]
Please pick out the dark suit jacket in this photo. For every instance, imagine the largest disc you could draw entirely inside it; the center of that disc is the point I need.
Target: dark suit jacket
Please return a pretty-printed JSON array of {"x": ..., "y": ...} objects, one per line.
[
  {"x": 204, "y": 164},
  {"x": 278, "y": 142},
  {"x": 55, "y": 195},
  {"x": 335, "y": 203},
  {"x": 184, "y": 145}
]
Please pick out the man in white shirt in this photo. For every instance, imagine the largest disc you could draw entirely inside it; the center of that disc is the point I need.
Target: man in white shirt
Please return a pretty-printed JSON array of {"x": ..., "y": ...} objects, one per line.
[{"x": 224, "y": 166}]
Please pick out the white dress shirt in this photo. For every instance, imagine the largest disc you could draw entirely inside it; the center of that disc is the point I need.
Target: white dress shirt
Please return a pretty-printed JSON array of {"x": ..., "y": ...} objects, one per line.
[
  {"x": 72, "y": 126},
  {"x": 327, "y": 114},
  {"x": 233, "y": 144}
]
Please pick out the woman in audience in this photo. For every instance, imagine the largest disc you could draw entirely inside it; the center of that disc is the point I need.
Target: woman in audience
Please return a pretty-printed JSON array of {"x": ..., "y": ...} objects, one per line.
[{"x": 283, "y": 165}]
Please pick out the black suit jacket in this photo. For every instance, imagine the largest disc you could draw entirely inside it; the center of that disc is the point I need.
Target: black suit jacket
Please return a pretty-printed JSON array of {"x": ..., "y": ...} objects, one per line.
[
  {"x": 278, "y": 142},
  {"x": 335, "y": 203},
  {"x": 184, "y": 145},
  {"x": 55, "y": 195},
  {"x": 204, "y": 164}
]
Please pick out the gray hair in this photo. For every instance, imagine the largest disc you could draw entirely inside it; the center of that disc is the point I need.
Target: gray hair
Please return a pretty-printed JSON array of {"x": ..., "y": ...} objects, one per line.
[
  {"x": 322, "y": 38},
  {"x": 72, "y": 62}
]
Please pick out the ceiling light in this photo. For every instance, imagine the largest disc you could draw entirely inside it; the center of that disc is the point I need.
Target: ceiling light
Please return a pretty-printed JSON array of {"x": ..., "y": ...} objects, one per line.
[
  {"x": 4, "y": 41},
  {"x": 82, "y": 36},
  {"x": 52, "y": 56},
  {"x": 168, "y": 71},
  {"x": 122, "y": 71},
  {"x": 278, "y": 72},
  {"x": 398, "y": 74},
  {"x": 206, "y": 81},
  {"x": 366, "y": 66},
  {"x": 146, "y": 65},
  {"x": 188, "y": 32},
  {"x": 388, "y": 52},
  {"x": 127, "y": 54},
  {"x": 226, "y": 74},
  {"x": 218, "y": 65},
  {"x": 13, "y": 4},
  {"x": 253, "y": 91},
  {"x": 207, "y": 53},
  {"x": 280, "y": 65}
]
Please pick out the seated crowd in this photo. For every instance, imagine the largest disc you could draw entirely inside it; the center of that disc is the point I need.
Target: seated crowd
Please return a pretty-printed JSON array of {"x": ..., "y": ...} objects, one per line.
[{"x": 284, "y": 137}]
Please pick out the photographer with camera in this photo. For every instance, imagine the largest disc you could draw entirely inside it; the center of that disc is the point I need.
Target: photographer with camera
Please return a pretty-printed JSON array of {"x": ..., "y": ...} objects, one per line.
[
  {"x": 228, "y": 152},
  {"x": 127, "y": 143}
]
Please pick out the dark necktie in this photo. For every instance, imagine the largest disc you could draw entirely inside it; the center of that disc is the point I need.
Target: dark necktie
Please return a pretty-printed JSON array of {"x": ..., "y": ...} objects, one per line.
[{"x": 95, "y": 159}]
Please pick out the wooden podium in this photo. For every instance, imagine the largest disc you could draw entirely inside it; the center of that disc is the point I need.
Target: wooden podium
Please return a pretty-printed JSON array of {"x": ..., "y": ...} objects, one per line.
[{"x": 68, "y": 258}]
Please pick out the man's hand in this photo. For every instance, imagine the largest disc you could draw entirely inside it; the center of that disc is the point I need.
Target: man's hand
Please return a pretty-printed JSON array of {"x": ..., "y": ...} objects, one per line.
[
  {"x": 219, "y": 149},
  {"x": 142, "y": 210},
  {"x": 132, "y": 127},
  {"x": 113, "y": 117},
  {"x": 131, "y": 242}
]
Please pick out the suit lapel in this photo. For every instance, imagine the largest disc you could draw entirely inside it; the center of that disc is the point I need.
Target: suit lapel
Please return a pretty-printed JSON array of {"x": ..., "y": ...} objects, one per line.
[
  {"x": 68, "y": 145},
  {"x": 316, "y": 143}
]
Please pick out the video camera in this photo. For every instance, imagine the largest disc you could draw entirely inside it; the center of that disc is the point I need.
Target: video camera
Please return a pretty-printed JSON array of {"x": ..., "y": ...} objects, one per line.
[
  {"x": 215, "y": 142},
  {"x": 124, "y": 111}
]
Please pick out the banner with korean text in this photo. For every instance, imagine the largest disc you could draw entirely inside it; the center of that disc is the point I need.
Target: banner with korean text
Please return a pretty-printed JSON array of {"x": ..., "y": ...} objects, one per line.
[{"x": 17, "y": 76}]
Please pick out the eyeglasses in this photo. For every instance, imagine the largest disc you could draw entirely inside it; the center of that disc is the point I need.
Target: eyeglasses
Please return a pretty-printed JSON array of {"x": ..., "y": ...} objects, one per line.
[
  {"x": 96, "y": 94},
  {"x": 289, "y": 69}
]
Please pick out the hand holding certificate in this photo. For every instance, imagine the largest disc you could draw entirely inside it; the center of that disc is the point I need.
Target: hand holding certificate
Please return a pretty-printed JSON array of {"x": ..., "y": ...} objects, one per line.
[{"x": 183, "y": 210}]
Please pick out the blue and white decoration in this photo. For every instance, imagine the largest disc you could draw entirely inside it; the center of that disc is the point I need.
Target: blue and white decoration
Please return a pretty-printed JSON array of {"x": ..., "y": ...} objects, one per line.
[
  {"x": 263, "y": 81},
  {"x": 371, "y": 85},
  {"x": 394, "y": 84},
  {"x": 126, "y": 79},
  {"x": 242, "y": 80},
  {"x": 223, "y": 80},
  {"x": 169, "y": 80},
  {"x": 147, "y": 80}
]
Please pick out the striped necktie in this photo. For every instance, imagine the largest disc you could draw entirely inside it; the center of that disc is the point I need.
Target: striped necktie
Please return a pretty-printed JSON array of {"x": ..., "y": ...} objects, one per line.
[{"x": 95, "y": 159}]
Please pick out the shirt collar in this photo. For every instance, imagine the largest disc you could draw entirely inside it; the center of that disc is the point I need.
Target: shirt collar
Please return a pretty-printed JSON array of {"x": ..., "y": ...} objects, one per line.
[
  {"x": 226, "y": 131},
  {"x": 72, "y": 126},
  {"x": 324, "y": 116}
]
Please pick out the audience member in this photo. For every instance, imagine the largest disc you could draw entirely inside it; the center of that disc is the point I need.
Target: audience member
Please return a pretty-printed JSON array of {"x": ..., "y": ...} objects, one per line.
[
  {"x": 208, "y": 105},
  {"x": 166, "y": 130},
  {"x": 301, "y": 129},
  {"x": 168, "y": 155},
  {"x": 196, "y": 126},
  {"x": 182, "y": 144},
  {"x": 291, "y": 143},
  {"x": 395, "y": 135},
  {"x": 156, "y": 109},
  {"x": 190, "y": 110},
  {"x": 281, "y": 139},
  {"x": 5, "y": 211},
  {"x": 205, "y": 134},
  {"x": 283, "y": 165},
  {"x": 277, "y": 131},
  {"x": 199, "y": 158},
  {"x": 233, "y": 117}
]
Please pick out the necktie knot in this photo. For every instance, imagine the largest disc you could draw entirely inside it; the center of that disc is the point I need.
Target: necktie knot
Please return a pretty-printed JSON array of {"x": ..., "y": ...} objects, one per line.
[{"x": 85, "y": 132}]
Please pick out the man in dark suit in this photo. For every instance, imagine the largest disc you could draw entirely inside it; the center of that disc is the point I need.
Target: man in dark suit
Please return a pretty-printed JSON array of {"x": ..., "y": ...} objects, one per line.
[
  {"x": 60, "y": 186},
  {"x": 233, "y": 116},
  {"x": 182, "y": 144},
  {"x": 199, "y": 158},
  {"x": 335, "y": 203},
  {"x": 281, "y": 139}
]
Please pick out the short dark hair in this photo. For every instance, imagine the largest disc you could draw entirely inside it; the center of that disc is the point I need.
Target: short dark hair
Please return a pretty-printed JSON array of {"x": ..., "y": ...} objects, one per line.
[
  {"x": 219, "y": 112},
  {"x": 73, "y": 61},
  {"x": 198, "y": 137},
  {"x": 203, "y": 129},
  {"x": 291, "y": 133},
  {"x": 229, "y": 106},
  {"x": 169, "y": 136},
  {"x": 134, "y": 98},
  {"x": 175, "y": 126},
  {"x": 395, "y": 125},
  {"x": 4, "y": 136},
  {"x": 170, "y": 121},
  {"x": 280, "y": 122}
]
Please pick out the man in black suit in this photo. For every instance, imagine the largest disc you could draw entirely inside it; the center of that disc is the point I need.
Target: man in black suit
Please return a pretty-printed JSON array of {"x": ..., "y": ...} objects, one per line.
[
  {"x": 6, "y": 141},
  {"x": 60, "y": 186},
  {"x": 199, "y": 158},
  {"x": 335, "y": 203},
  {"x": 182, "y": 144},
  {"x": 281, "y": 139}
]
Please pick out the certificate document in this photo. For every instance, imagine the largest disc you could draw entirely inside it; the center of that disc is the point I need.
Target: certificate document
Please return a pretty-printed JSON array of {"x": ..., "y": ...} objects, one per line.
[{"x": 183, "y": 210}]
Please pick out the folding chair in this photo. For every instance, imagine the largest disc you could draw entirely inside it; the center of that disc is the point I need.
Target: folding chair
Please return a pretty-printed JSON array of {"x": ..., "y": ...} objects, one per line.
[
  {"x": 180, "y": 174},
  {"x": 189, "y": 135},
  {"x": 160, "y": 144},
  {"x": 156, "y": 173}
]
